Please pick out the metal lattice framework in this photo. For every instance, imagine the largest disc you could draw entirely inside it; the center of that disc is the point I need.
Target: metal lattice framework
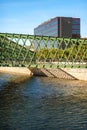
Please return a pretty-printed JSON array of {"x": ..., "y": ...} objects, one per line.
[{"x": 42, "y": 51}]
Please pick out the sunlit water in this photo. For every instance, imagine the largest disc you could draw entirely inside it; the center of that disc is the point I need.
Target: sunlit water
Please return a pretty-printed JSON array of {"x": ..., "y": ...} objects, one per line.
[{"x": 43, "y": 103}]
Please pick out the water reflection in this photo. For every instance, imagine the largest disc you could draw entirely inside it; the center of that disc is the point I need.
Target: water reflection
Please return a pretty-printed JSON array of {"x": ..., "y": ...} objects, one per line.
[
  {"x": 67, "y": 87},
  {"x": 44, "y": 104}
]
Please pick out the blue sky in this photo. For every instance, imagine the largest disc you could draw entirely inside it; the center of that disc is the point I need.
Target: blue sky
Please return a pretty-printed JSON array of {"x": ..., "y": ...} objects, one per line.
[{"x": 22, "y": 16}]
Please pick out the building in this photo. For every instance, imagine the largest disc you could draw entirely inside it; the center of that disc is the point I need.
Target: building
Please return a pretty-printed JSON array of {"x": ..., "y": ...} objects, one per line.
[{"x": 66, "y": 27}]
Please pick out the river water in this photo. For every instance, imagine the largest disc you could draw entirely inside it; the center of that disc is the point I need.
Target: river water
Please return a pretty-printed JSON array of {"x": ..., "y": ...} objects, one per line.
[{"x": 43, "y": 103}]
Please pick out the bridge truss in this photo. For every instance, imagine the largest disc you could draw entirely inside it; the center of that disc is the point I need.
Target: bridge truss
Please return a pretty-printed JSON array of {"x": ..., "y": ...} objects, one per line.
[{"x": 42, "y": 51}]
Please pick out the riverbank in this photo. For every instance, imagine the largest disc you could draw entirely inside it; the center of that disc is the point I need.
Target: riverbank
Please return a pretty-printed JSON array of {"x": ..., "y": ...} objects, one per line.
[
  {"x": 17, "y": 74},
  {"x": 62, "y": 73}
]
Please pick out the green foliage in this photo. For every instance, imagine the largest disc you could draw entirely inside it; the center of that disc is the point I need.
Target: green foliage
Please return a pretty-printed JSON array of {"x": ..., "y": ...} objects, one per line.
[{"x": 73, "y": 53}]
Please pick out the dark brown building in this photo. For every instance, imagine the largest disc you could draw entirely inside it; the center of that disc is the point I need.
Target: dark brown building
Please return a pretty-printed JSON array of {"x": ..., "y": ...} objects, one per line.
[{"x": 60, "y": 27}]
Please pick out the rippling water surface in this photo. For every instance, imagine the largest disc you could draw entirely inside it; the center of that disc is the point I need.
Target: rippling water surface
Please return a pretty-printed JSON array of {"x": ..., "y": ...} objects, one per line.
[{"x": 43, "y": 103}]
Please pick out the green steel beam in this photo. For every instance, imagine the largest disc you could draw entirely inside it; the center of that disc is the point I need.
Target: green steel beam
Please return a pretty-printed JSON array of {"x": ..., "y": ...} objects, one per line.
[{"x": 42, "y": 51}]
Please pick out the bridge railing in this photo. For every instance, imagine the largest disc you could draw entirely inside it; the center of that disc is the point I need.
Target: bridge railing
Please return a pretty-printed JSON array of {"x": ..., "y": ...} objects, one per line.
[{"x": 42, "y": 51}]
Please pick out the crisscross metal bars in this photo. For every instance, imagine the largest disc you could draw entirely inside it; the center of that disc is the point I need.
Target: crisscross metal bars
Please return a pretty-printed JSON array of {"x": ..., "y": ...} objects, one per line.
[
  {"x": 42, "y": 51},
  {"x": 16, "y": 50}
]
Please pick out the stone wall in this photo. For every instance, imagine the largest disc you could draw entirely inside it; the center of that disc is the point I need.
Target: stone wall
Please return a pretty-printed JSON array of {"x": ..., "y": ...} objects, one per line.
[
  {"x": 16, "y": 70},
  {"x": 79, "y": 73},
  {"x": 17, "y": 74},
  {"x": 62, "y": 73}
]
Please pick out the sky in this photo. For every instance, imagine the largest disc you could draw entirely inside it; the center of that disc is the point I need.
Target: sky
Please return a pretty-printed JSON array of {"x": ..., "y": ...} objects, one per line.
[{"x": 22, "y": 16}]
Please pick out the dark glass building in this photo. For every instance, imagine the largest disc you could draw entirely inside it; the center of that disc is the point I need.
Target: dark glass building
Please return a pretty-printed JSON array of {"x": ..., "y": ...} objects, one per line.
[{"x": 60, "y": 27}]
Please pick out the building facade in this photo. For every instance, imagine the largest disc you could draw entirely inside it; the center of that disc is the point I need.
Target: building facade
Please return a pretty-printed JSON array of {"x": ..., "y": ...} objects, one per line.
[{"x": 66, "y": 27}]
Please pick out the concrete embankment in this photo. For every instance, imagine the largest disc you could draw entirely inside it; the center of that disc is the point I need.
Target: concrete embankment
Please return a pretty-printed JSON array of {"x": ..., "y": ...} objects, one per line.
[
  {"x": 78, "y": 73},
  {"x": 18, "y": 74},
  {"x": 62, "y": 73},
  {"x": 22, "y": 73}
]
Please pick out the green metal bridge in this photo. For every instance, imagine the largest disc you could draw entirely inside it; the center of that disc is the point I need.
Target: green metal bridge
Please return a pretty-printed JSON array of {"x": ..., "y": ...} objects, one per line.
[{"x": 42, "y": 51}]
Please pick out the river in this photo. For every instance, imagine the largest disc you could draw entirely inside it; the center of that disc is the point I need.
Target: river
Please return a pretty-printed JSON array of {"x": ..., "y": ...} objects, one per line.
[{"x": 43, "y": 103}]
